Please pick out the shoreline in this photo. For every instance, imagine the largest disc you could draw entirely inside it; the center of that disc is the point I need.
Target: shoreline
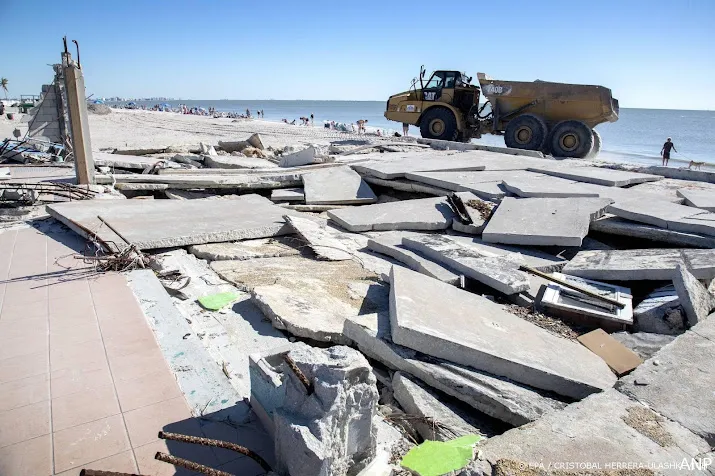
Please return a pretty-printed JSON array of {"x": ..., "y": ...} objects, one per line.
[{"x": 124, "y": 128}]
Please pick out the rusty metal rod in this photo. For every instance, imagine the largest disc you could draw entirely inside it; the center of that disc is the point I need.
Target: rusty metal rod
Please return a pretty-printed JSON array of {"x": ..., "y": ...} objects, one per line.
[
  {"x": 185, "y": 463},
  {"x": 94, "y": 472},
  {"x": 114, "y": 230},
  {"x": 298, "y": 373},
  {"x": 218, "y": 444}
]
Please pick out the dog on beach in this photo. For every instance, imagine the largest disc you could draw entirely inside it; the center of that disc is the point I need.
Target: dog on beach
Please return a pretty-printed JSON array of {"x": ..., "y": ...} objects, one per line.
[{"x": 695, "y": 165}]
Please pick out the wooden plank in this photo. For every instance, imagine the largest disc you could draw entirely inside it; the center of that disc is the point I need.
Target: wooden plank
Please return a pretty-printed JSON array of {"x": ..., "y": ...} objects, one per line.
[{"x": 619, "y": 358}]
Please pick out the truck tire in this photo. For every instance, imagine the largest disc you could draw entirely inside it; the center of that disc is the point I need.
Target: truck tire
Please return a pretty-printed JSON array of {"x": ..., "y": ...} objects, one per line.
[
  {"x": 596, "y": 145},
  {"x": 571, "y": 139},
  {"x": 527, "y": 131},
  {"x": 439, "y": 123}
]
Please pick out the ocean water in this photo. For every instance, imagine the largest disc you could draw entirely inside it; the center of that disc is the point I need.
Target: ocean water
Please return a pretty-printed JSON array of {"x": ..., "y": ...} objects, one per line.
[{"x": 636, "y": 137}]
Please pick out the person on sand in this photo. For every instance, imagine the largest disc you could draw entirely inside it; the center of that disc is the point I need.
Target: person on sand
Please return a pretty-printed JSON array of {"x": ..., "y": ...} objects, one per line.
[
  {"x": 312, "y": 118},
  {"x": 405, "y": 129},
  {"x": 665, "y": 151},
  {"x": 361, "y": 125}
]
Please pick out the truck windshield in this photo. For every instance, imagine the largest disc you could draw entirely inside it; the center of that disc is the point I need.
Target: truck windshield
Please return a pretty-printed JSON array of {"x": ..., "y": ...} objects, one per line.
[{"x": 436, "y": 81}]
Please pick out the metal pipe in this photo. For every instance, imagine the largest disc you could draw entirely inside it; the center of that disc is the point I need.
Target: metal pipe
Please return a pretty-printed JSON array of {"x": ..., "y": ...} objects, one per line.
[
  {"x": 217, "y": 444},
  {"x": 185, "y": 463}
]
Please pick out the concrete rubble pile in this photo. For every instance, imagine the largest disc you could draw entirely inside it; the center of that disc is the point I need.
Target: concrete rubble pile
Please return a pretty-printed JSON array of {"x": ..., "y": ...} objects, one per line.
[{"x": 386, "y": 298}]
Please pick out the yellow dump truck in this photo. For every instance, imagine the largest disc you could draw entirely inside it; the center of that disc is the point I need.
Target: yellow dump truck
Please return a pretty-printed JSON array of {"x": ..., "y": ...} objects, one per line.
[{"x": 554, "y": 118}]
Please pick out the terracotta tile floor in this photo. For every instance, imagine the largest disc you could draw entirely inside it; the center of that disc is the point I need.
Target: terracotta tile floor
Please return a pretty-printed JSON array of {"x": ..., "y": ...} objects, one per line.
[{"x": 83, "y": 383}]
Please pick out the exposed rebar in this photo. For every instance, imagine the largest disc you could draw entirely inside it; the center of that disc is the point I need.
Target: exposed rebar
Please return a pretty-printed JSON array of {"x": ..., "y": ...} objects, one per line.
[
  {"x": 217, "y": 444},
  {"x": 298, "y": 373},
  {"x": 185, "y": 463},
  {"x": 95, "y": 472}
]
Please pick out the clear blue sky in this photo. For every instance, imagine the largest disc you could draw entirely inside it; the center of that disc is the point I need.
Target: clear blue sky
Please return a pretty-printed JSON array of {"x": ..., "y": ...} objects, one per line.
[{"x": 651, "y": 53}]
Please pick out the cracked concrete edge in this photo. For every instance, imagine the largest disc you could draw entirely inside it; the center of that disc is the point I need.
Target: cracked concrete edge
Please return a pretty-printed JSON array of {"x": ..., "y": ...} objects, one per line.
[{"x": 205, "y": 388}]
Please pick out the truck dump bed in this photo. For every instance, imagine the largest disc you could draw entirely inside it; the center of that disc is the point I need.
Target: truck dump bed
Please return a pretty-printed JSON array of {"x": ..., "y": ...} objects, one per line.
[{"x": 554, "y": 102}]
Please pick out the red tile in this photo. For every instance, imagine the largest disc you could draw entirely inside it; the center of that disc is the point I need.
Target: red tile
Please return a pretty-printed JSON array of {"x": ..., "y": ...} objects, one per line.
[
  {"x": 27, "y": 458},
  {"x": 144, "y": 424},
  {"x": 89, "y": 442},
  {"x": 67, "y": 381},
  {"x": 26, "y": 391},
  {"x": 139, "y": 364},
  {"x": 83, "y": 407},
  {"x": 119, "y": 463},
  {"x": 151, "y": 388},
  {"x": 17, "y": 368},
  {"x": 24, "y": 423}
]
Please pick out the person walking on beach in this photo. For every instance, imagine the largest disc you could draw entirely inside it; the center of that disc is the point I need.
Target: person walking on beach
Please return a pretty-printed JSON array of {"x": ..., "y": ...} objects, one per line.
[
  {"x": 405, "y": 129},
  {"x": 311, "y": 118},
  {"x": 361, "y": 125},
  {"x": 665, "y": 151}
]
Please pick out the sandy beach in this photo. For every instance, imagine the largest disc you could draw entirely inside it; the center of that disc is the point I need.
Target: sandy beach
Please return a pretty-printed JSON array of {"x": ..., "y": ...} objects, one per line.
[{"x": 149, "y": 129}]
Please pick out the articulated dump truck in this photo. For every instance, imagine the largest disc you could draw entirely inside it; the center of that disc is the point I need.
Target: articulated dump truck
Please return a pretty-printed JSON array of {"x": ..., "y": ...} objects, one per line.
[{"x": 554, "y": 118}]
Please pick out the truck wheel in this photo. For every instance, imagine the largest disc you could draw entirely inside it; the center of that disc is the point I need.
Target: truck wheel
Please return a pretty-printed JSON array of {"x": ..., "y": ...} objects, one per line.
[
  {"x": 571, "y": 139},
  {"x": 439, "y": 123},
  {"x": 596, "y": 145},
  {"x": 526, "y": 132}
]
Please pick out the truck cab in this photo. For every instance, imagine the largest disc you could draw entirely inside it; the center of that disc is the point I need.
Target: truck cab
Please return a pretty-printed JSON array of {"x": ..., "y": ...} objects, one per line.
[{"x": 448, "y": 94}]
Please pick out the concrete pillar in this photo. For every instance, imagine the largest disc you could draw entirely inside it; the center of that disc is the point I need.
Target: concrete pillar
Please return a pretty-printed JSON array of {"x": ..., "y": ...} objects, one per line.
[{"x": 77, "y": 105}]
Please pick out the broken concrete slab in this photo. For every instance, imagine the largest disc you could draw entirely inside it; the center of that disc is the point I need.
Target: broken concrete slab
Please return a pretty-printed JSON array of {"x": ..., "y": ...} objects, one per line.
[
  {"x": 469, "y": 181},
  {"x": 302, "y": 157},
  {"x": 693, "y": 296},
  {"x": 543, "y": 221},
  {"x": 479, "y": 212},
  {"x": 643, "y": 343},
  {"x": 471, "y": 332},
  {"x": 547, "y": 187},
  {"x": 659, "y": 313},
  {"x": 619, "y": 358},
  {"x": 704, "y": 199},
  {"x": 209, "y": 181},
  {"x": 676, "y": 381},
  {"x": 336, "y": 185},
  {"x": 597, "y": 433},
  {"x": 390, "y": 244},
  {"x": 441, "y": 423},
  {"x": 419, "y": 162},
  {"x": 666, "y": 215},
  {"x": 229, "y": 335},
  {"x": 407, "y": 186},
  {"x": 151, "y": 224},
  {"x": 123, "y": 161},
  {"x": 531, "y": 257},
  {"x": 420, "y": 214},
  {"x": 288, "y": 195},
  {"x": 613, "y": 225},
  {"x": 643, "y": 264},
  {"x": 681, "y": 173},
  {"x": 598, "y": 175},
  {"x": 578, "y": 308},
  {"x": 500, "y": 272},
  {"x": 267, "y": 390},
  {"x": 500, "y": 398},
  {"x": 319, "y": 316},
  {"x": 306, "y": 297},
  {"x": 201, "y": 381},
  {"x": 236, "y": 162},
  {"x": 328, "y": 428},
  {"x": 325, "y": 241},
  {"x": 250, "y": 249}
]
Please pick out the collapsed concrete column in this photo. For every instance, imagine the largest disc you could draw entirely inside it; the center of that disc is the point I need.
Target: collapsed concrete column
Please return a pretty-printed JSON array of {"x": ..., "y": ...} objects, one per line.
[
  {"x": 326, "y": 429},
  {"x": 77, "y": 106}
]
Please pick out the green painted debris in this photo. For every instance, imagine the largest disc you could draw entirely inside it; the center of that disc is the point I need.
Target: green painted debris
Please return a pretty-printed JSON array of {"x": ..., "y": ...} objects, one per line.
[
  {"x": 434, "y": 458},
  {"x": 214, "y": 302}
]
